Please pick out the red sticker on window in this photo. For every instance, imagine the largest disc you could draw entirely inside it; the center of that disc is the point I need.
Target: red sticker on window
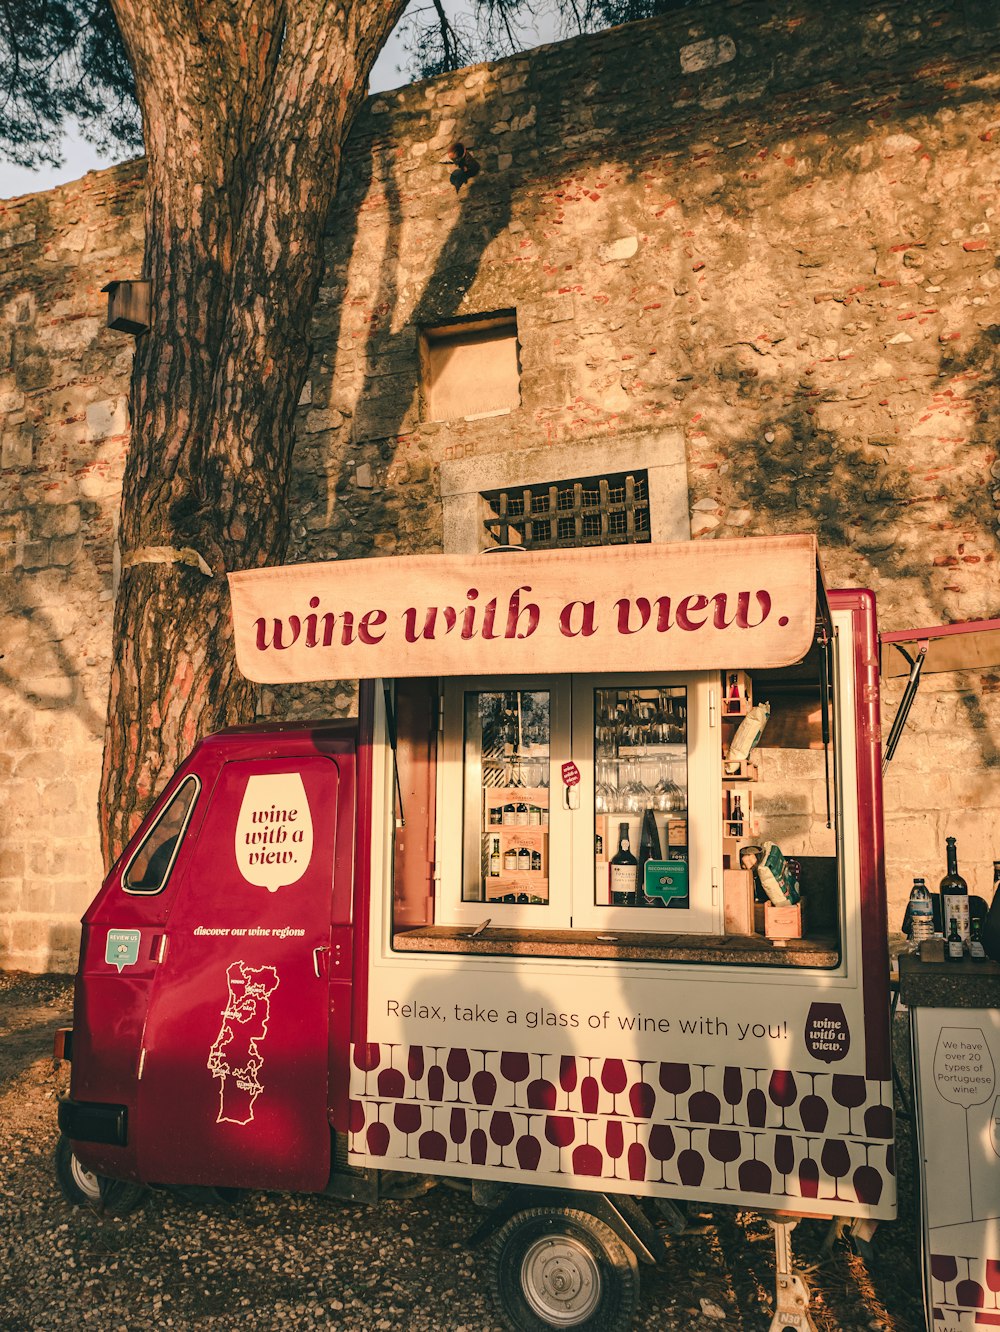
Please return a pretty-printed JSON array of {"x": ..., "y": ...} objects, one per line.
[{"x": 570, "y": 774}]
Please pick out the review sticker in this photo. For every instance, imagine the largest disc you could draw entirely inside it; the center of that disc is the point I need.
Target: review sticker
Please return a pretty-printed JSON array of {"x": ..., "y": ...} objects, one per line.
[{"x": 122, "y": 948}]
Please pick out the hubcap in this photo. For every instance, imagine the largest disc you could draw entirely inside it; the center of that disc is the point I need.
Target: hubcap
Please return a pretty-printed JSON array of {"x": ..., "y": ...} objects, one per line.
[
  {"x": 85, "y": 1180},
  {"x": 561, "y": 1281}
]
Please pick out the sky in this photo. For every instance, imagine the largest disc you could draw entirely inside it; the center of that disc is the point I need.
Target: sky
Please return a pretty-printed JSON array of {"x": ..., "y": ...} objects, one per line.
[{"x": 79, "y": 157}]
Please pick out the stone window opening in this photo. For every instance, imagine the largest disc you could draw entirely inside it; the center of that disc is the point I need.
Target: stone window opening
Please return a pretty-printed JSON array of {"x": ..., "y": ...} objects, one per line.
[{"x": 470, "y": 367}]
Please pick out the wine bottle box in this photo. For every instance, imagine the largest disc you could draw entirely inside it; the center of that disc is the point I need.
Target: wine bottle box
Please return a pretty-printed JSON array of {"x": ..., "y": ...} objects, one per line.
[
  {"x": 676, "y": 832},
  {"x": 737, "y": 901},
  {"x": 517, "y": 885},
  {"x": 601, "y": 851},
  {"x": 737, "y": 695},
  {"x": 502, "y": 807},
  {"x": 523, "y": 839},
  {"x": 783, "y": 922}
]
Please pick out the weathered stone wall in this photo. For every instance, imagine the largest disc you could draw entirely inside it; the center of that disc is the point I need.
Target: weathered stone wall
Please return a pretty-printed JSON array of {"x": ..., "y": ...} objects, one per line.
[
  {"x": 763, "y": 234},
  {"x": 63, "y": 433}
]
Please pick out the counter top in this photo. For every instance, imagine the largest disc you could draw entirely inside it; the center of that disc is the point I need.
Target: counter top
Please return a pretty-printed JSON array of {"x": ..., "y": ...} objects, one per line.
[
  {"x": 626, "y": 946},
  {"x": 964, "y": 984}
]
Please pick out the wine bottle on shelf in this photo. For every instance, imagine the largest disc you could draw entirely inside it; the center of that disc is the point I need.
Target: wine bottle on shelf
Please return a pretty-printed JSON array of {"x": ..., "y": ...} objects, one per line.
[
  {"x": 954, "y": 949},
  {"x": 736, "y": 822},
  {"x": 510, "y": 859},
  {"x": 509, "y": 812},
  {"x": 649, "y": 849},
  {"x": 976, "y": 950},
  {"x": 536, "y": 862},
  {"x": 524, "y": 860},
  {"x": 955, "y": 894},
  {"x": 495, "y": 859},
  {"x": 521, "y": 814},
  {"x": 624, "y": 870}
]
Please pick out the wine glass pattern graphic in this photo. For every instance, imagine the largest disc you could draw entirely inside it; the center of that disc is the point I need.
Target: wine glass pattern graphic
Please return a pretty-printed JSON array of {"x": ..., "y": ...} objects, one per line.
[{"x": 727, "y": 1128}]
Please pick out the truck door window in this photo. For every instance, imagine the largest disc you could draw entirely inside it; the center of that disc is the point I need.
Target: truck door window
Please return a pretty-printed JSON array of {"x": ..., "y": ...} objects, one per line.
[{"x": 150, "y": 866}]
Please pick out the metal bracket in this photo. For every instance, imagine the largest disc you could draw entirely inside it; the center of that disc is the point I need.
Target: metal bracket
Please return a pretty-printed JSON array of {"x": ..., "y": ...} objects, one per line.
[{"x": 791, "y": 1291}]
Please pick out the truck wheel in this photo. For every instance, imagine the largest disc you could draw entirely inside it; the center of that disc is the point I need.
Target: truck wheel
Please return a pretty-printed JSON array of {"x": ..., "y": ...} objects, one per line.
[
  {"x": 554, "y": 1267},
  {"x": 83, "y": 1188}
]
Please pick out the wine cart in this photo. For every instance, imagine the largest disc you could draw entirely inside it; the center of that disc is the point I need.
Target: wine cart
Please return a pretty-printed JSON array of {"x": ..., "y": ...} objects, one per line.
[{"x": 536, "y": 919}]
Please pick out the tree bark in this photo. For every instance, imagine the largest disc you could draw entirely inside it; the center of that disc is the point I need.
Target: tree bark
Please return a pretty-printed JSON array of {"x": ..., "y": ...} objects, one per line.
[{"x": 245, "y": 107}]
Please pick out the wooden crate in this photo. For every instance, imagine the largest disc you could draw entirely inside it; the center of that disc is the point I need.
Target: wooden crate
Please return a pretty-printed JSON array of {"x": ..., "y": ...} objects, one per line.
[
  {"x": 737, "y": 901},
  {"x": 783, "y": 922}
]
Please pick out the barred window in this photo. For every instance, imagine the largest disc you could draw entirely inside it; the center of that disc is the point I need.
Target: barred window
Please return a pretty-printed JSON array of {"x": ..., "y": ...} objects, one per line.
[{"x": 591, "y": 511}]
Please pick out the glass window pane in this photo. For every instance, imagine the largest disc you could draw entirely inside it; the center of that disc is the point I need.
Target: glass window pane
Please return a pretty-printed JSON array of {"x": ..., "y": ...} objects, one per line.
[
  {"x": 641, "y": 797},
  {"x": 506, "y": 818},
  {"x": 151, "y": 865}
]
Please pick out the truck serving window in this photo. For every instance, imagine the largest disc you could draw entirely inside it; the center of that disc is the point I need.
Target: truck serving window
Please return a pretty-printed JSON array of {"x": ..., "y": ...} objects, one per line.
[
  {"x": 657, "y": 817},
  {"x": 149, "y": 869}
]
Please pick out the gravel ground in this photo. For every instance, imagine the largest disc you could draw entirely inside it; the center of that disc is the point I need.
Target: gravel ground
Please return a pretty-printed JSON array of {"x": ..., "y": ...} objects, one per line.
[{"x": 300, "y": 1261}]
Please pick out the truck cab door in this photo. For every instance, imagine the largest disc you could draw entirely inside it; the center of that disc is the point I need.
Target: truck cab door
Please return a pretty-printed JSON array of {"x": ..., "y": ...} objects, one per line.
[{"x": 234, "y": 1062}]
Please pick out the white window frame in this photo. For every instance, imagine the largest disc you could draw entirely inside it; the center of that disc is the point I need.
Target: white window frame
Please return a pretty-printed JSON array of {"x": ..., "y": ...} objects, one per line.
[{"x": 571, "y": 876}]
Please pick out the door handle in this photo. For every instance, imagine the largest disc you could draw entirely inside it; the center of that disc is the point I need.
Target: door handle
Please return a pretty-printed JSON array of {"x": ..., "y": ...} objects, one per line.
[{"x": 323, "y": 948}]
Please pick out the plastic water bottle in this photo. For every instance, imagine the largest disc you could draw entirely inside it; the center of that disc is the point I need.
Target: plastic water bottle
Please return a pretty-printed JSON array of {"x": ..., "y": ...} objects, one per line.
[{"x": 921, "y": 912}]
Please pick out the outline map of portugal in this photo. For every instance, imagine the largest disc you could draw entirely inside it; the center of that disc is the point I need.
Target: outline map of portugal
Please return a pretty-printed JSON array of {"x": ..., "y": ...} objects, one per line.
[{"x": 235, "y": 1058}]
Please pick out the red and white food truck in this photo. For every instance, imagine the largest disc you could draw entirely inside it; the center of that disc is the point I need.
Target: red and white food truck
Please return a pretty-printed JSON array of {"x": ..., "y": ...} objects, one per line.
[{"x": 501, "y": 925}]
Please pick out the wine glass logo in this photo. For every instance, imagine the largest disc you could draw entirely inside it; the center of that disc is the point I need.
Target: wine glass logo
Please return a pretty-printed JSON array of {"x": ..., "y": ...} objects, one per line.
[
  {"x": 828, "y": 1037},
  {"x": 964, "y": 1075},
  {"x": 274, "y": 831}
]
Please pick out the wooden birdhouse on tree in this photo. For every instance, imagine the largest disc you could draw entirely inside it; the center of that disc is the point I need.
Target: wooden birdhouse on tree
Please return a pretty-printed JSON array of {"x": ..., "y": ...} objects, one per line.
[{"x": 129, "y": 305}]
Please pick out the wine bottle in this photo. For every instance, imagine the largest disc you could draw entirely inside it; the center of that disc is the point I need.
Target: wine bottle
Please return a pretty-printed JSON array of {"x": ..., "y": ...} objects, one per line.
[
  {"x": 509, "y": 812},
  {"x": 495, "y": 859},
  {"x": 955, "y": 894},
  {"x": 649, "y": 849},
  {"x": 736, "y": 822},
  {"x": 536, "y": 862},
  {"x": 524, "y": 860},
  {"x": 954, "y": 949},
  {"x": 510, "y": 859},
  {"x": 521, "y": 814},
  {"x": 624, "y": 870},
  {"x": 991, "y": 926},
  {"x": 976, "y": 950}
]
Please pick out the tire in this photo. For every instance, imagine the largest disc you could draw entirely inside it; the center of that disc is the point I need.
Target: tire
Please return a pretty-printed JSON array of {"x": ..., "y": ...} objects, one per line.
[
  {"x": 83, "y": 1188},
  {"x": 554, "y": 1267}
]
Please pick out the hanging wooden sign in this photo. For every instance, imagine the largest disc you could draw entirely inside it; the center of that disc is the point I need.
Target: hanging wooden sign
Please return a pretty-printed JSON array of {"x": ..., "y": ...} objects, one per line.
[{"x": 685, "y": 606}]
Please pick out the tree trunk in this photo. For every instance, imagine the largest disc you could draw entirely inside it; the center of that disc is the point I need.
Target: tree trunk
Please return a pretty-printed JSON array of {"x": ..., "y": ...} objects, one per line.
[{"x": 245, "y": 107}]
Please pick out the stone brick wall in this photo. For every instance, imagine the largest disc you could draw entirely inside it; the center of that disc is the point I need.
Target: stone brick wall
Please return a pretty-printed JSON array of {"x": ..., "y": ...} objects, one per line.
[
  {"x": 760, "y": 237},
  {"x": 63, "y": 434}
]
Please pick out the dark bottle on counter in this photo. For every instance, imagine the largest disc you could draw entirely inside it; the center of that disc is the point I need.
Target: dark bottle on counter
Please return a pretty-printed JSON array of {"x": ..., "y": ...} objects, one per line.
[
  {"x": 624, "y": 870},
  {"x": 955, "y": 894},
  {"x": 991, "y": 925},
  {"x": 976, "y": 950},
  {"x": 954, "y": 949},
  {"x": 649, "y": 849}
]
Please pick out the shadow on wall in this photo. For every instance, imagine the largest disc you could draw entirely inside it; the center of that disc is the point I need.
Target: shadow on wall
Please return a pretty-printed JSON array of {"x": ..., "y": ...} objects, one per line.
[
  {"x": 46, "y": 677},
  {"x": 857, "y": 494}
]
